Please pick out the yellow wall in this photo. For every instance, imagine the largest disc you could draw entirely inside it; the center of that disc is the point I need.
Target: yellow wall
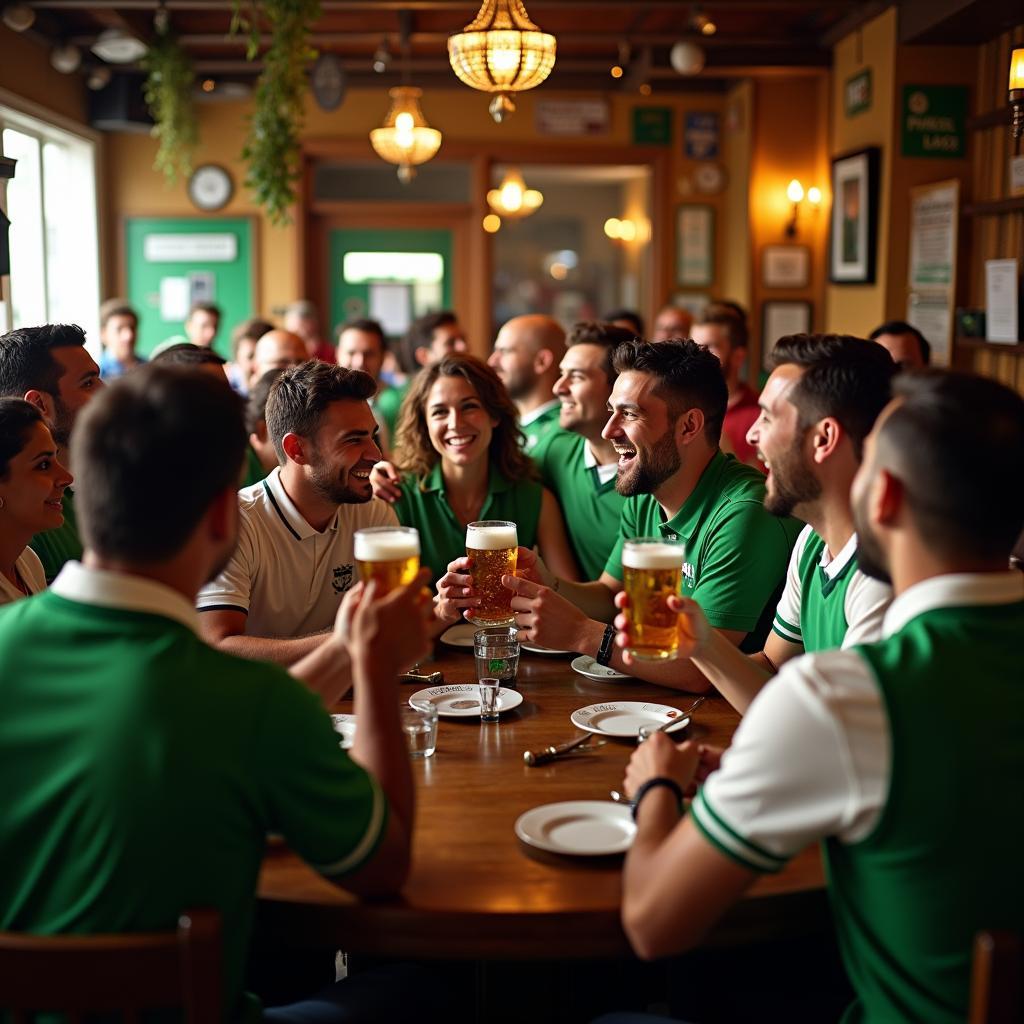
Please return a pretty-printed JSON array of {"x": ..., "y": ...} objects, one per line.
[
  {"x": 25, "y": 70},
  {"x": 738, "y": 139}
]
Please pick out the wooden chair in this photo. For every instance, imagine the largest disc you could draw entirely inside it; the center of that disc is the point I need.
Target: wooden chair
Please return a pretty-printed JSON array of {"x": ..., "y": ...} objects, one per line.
[
  {"x": 76, "y": 974},
  {"x": 997, "y": 995}
]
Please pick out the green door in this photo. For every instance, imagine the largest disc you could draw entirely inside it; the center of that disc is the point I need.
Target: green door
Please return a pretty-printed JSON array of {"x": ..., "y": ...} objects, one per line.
[{"x": 393, "y": 276}]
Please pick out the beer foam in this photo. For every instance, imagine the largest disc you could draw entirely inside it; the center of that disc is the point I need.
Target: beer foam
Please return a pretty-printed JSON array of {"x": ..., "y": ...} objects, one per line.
[
  {"x": 386, "y": 545},
  {"x": 653, "y": 556},
  {"x": 491, "y": 538}
]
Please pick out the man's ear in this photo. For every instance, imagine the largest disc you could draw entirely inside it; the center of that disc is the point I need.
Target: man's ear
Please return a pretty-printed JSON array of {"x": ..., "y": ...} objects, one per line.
[
  {"x": 690, "y": 426},
  {"x": 826, "y": 437},
  {"x": 886, "y": 500},
  {"x": 543, "y": 360},
  {"x": 42, "y": 401},
  {"x": 296, "y": 448}
]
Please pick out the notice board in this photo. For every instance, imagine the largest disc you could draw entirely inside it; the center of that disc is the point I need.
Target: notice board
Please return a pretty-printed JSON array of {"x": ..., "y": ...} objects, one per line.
[{"x": 171, "y": 262}]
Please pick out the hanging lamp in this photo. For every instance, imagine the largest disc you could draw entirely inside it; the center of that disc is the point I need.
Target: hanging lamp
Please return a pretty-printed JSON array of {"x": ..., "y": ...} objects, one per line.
[
  {"x": 512, "y": 199},
  {"x": 405, "y": 138},
  {"x": 502, "y": 52}
]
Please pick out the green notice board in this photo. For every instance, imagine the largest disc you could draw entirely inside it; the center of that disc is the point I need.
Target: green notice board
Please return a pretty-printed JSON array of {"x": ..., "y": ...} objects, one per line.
[
  {"x": 934, "y": 120},
  {"x": 171, "y": 262}
]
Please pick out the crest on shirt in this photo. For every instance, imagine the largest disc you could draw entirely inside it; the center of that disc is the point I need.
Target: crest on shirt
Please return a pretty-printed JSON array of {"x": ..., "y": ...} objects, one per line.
[
  {"x": 342, "y": 578},
  {"x": 690, "y": 574}
]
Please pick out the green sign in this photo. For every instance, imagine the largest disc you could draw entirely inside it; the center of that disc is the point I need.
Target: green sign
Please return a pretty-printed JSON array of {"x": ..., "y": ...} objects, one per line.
[
  {"x": 652, "y": 126},
  {"x": 857, "y": 93},
  {"x": 934, "y": 120}
]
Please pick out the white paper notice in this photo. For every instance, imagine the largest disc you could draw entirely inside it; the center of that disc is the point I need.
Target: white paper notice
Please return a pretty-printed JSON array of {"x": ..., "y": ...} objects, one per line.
[
  {"x": 1001, "y": 289},
  {"x": 175, "y": 297},
  {"x": 391, "y": 307}
]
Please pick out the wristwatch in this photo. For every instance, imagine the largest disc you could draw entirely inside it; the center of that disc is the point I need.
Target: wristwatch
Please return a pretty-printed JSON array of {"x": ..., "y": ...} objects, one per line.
[{"x": 604, "y": 652}]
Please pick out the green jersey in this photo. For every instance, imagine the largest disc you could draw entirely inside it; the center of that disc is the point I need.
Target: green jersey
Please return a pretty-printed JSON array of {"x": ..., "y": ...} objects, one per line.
[
  {"x": 424, "y": 505},
  {"x": 539, "y": 427},
  {"x": 736, "y": 552},
  {"x": 60, "y": 545},
  {"x": 253, "y": 471},
  {"x": 388, "y": 402}
]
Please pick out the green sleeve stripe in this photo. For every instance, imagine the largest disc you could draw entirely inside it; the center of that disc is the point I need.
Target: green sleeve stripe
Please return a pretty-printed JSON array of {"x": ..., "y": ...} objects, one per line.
[
  {"x": 366, "y": 846},
  {"x": 786, "y": 631},
  {"x": 781, "y": 622},
  {"x": 741, "y": 849},
  {"x": 726, "y": 850}
]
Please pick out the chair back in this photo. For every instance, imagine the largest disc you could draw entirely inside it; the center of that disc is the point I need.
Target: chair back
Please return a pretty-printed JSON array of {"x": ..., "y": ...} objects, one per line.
[
  {"x": 75, "y": 975},
  {"x": 997, "y": 995}
]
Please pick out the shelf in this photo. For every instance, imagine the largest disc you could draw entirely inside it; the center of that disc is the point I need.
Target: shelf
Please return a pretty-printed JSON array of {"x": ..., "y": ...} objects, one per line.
[
  {"x": 993, "y": 207},
  {"x": 1011, "y": 347}
]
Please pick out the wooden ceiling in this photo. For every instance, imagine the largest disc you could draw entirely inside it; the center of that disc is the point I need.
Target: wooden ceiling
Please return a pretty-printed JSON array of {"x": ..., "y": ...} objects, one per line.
[{"x": 752, "y": 35}]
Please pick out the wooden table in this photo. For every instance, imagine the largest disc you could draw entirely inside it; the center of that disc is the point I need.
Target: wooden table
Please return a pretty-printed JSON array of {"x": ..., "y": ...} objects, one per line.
[{"x": 475, "y": 890}]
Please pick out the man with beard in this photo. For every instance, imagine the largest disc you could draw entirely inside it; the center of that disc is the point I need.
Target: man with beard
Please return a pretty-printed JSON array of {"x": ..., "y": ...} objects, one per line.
[
  {"x": 50, "y": 367},
  {"x": 526, "y": 355},
  {"x": 131, "y": 751},
  {"x": 903, "y": 755},
  {"x": 278, "y": 595},
  {"x": 817, "y": 407},
  {"x": 667, "y": 407}
]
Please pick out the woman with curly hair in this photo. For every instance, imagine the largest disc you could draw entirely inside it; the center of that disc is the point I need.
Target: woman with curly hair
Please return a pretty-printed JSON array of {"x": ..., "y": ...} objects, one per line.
[{"x": 459, "y": 449}]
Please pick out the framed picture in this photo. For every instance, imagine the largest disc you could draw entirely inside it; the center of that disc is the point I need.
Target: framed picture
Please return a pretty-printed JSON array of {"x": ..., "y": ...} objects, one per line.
[
  {"x": 779, "y": 319},
  {"x": 854, "y": 234},
  {"x": 695, "y": 245},
  {"x": 785, "y": 266}
]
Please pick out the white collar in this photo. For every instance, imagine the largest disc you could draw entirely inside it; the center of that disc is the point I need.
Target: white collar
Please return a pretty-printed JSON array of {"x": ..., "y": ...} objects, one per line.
[
  {"x": 605, "y": 471},
  {"x": 954, "y": 589},
  {"x": 292, "y": 518},
  {"x": 528, "y": 418},
  {"x": 107, "y": 589},
  {"x": 834, "y": 566}
]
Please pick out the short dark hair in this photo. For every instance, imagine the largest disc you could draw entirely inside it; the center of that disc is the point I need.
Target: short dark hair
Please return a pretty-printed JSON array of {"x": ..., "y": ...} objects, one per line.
[
  {"x": 688, "y": 376},
  {"x": 204, "y": 307},
  {"x": 116, "y": 307},
  {"x": 156, "y": 424},
  {"x": 187, "y": 354},
  {"x": 249, "y": 330},
  {"x": 420, "y": 335},
  {"x": 256, "y": 403},
  {"x": 299, "y": 398},
  {"x": 16, "y": 420},
  {"x": 719, "y": 314},
  {"x": 845, "y": 377},
  {"x": 26, "y": 358},
  {"x": 902, "y": 327},
  {"x": 367, "y": 326},
  {"x": 956, "y": 440},
  {"x": 626, "y": 314},
  {"x": 606, "y": 335}
]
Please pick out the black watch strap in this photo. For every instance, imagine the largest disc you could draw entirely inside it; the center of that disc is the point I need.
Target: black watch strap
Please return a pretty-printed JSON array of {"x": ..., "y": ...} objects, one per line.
[
  {"x": 604, "y": 652},
  {"x": 658, "y": 780}
]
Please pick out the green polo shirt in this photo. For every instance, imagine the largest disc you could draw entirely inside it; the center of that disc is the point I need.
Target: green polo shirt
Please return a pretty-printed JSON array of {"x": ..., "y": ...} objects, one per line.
[
  {"x": 592, "y": 509},
  {"x": 253, "y": 469},
  {"x": 144, "y": 769},
  {"x": 423, "y": 504},
  {"x": 736, "y": 552},
  {"x": 540, "y": 431},
  {"x": 55, "y": 547},
  {"x": 388, "y": 402}
]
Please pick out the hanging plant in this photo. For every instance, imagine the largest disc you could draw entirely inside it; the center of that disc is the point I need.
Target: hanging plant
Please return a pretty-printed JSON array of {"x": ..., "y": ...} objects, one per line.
[
  {"x": 168, "y": 95},
  {"x": 272, "y": 149}
]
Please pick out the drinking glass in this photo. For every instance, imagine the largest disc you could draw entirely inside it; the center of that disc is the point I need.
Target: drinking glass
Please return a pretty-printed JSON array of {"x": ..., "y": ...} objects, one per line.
[
  {"x": 419, "y": 723},
  {"x": 496, "y": 650},
  {"x": 489, "y": 689},
  {"x": 388, "y": 554},
  {"x": 652, "y": 571},
  {"x": 492, "y": 544}
]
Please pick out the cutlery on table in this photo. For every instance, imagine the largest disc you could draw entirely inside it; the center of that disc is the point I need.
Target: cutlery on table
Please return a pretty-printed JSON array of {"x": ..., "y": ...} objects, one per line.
[{"x": 537, "y": 757}]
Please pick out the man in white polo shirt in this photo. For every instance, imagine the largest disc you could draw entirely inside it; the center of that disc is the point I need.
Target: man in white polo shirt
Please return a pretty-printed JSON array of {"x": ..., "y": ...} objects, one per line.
[{"x": 278, "y": 596}]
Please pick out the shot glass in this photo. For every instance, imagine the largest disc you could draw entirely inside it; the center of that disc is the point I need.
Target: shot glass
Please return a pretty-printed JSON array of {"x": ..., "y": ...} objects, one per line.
[
  {"x": 419, "y": 723},
  {"x": 489, "y": 688},
  {"x": 496, "y": 649}
]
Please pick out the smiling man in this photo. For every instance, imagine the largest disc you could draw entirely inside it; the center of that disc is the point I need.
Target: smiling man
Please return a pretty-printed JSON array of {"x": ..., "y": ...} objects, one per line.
[{"x": 278, "y": 595}]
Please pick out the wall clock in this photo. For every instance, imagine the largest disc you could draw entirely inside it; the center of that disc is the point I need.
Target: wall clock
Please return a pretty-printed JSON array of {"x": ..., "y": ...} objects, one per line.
[{"x": 210, "y": 187}]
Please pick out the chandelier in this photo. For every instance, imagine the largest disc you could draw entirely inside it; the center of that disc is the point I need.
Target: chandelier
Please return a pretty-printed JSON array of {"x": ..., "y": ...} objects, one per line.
[
  {"x": 502, "y": 52},
  {"x": 512, "y": 199},
  {"x": 405, "y": 137}
]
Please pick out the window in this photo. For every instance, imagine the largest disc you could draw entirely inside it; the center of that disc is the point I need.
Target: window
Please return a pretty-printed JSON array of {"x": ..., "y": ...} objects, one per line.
[{"x": 51, "y": 202}]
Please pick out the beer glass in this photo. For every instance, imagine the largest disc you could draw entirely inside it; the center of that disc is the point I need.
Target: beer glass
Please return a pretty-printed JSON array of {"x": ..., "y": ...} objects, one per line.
[
  {"x": 388, "y": 554},
  {"x": 652, "y": 571},
  {"x": 492, "y": 544}
]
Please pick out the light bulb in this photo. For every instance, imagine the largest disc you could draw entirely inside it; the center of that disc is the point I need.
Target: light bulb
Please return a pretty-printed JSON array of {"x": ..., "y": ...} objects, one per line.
[
  {"x": 794, "y": 191},
  {"x": 613, "y": 227},
  {"x": 404, "y": 122},
  {"x": 814, "y": 195},
  {"x": 491, "y": 223},
  {"x": 511, "y": 196}
]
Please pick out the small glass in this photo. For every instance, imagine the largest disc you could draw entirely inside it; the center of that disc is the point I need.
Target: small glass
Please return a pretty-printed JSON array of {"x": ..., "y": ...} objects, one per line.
[
  {"x": 489, "y": 701},
  {"x": 419, "y": 723},
  {"x": 496, "y": 650}
]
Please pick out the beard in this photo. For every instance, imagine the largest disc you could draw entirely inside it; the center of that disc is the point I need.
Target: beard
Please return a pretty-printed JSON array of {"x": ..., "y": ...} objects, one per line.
[
  {"x": 519, "y": 384},
  {"x": 62, "y": 423},
  {"x": 327, "y": 484},
  {"x": 792, "y": 484},
  {"x": 650, "y": 470},
  {"x": 871, "y": 558}
]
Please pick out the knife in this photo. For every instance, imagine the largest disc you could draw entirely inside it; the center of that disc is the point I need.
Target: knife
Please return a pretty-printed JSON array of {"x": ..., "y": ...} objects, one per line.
[{"x": 537, "y": 757}]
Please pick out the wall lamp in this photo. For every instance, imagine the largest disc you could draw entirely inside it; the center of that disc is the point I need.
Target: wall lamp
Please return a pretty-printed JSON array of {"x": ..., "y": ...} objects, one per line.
[
  {"x": 1017, "y": 91},
  {"x": 795, "y": 194}
]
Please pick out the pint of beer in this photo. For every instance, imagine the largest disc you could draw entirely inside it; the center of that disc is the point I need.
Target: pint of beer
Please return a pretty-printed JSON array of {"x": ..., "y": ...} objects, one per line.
[
  {"x": 652, "y": 571},
  {"x": 388, "y": 554},
  {"x": 492, "y": 545}
]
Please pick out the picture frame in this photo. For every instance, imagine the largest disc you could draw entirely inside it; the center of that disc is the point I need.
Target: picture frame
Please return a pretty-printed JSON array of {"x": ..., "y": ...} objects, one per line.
[
  {"x": 853, "y": 237},
  {"x": 695, "y": 245},
  {"x": 785, "y": 266},
  {"x": 779, "y": 318}
]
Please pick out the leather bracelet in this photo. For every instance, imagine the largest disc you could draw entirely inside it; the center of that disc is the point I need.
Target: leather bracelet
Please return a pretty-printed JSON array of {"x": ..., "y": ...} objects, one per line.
[
  {"x": 658, "y": 780},
  {"x": 604, "y": 652}
]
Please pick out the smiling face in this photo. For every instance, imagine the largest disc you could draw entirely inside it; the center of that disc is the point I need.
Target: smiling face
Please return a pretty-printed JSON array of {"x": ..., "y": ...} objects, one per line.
[
  {"x": 34, "y": 485},
  {"x": 360, "y": 350},
  {"x": 459, "y": 426},
  {"x": 79, "y": 381},
  {"x": 643, "y": 435},
  {"x": 583, "y": 389},
  {"x": 343, "y": 452}
]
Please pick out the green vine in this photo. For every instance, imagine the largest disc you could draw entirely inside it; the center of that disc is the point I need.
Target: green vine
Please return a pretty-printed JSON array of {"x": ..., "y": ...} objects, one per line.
[
  {"x": 168, "y": 94},
  {"x": 272, "y": 149}
]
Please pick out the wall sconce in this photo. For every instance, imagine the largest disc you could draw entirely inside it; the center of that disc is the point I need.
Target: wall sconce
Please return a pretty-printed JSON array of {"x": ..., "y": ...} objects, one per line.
[
  {"x": 1017, "y": 91},
  {"x": 795, "y": 194}
]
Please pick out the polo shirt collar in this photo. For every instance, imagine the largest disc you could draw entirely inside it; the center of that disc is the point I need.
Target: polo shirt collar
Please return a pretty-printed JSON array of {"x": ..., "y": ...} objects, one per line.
[
  {"x": 833, "y": 567},
  {"x": 497, "y": 482},
  {"x": 605, "y": 472},
  {"x": 125, "y": 592},
  {"x": 953, "y": 590},
  {"x": 530, "y": 417},
  {"x": 292, "y": 518},
  {"x": 687, "y": 521}
]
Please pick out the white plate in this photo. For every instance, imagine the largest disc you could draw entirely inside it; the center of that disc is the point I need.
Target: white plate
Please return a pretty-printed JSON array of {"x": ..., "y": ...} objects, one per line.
[
  {"x": 622, "y": 717},
  {"x": 345, "y": 727},
  {"x": 537, "y": 649},
  {"x": 586, "y": 666},
  {"x": 462, "y": 700},
  {"x": 587, "y": 828},
  {"x": 459, "y": 635}
]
